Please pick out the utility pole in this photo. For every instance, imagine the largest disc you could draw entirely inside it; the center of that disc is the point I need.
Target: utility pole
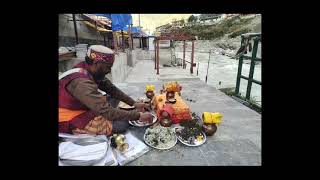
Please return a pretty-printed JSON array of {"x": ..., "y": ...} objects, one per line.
[
  {"x": 140, "y": 30},
  {"x": 208, "y": 66},
  {"x": 192, "y": 57},
  {"x": 139, "y": 21},
  {"x": 198, "y": 69}
]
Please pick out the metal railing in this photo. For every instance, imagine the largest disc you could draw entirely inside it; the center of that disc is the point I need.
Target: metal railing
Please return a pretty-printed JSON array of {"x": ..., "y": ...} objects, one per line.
[
  {"x": 256, "y": 37},
  {"x": 180, "y": 60}
]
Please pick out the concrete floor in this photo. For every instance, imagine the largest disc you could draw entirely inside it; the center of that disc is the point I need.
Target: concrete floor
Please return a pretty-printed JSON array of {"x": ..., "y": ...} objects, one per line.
[
  {"x": 237, "y": 140},
  {"x": 144, "y": 72}
]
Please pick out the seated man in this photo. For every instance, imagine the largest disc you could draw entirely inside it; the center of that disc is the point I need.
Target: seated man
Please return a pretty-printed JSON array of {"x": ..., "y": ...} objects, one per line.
[{"x": 82, "y": 107}]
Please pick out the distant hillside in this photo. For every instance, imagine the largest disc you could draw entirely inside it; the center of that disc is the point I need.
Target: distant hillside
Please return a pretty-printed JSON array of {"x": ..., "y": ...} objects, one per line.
[
  {"x": 232, "y": 27},
  {"x": 223, "y": 38}
]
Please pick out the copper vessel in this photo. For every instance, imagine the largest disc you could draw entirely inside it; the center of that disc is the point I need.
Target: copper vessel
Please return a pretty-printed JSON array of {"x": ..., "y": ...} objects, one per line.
[{"x": 209, "y": 129}]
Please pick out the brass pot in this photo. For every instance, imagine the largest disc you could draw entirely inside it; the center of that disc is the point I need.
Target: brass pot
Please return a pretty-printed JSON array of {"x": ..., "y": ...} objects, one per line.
[
  {"x": 121, "y": 145},
  {"x": 150, "y": 94},
  {"x": 209, "y": 129},
  {"x": 170, "y": 95},
  {"x": 120, "y": 138}
]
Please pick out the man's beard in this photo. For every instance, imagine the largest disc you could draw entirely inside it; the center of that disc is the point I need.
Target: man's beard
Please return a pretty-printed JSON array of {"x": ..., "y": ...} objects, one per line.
[{"x": 98, "y": 76}]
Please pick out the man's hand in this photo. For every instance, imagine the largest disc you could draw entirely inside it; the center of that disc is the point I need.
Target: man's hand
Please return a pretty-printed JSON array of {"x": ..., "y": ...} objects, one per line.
[
  {"x": 146, "y": 117},
  {"x": 141, "y": 106}
]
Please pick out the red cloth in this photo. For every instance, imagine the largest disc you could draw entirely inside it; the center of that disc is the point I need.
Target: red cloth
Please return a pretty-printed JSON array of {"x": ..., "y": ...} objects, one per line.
[{"x": 66, "y": 100}]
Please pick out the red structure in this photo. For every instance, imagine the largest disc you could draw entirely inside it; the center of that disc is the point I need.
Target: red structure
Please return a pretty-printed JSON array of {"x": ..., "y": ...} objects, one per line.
[
  {"x": 157, "y": 56},
  {"x": 176, "y": 36}
]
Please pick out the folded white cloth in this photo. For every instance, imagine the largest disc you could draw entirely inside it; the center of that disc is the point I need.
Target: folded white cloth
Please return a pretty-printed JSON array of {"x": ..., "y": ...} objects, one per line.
[
  {"x": 136, "y": 149},
  {"x": 71, "y": 151}
]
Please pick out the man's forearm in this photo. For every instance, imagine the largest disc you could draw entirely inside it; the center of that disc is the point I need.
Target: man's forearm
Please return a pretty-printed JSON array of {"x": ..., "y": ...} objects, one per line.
[
  {"x": 86, "y": 92},
  {"x": 120, "y": 115},
  {"x": 115, "y": 92}
]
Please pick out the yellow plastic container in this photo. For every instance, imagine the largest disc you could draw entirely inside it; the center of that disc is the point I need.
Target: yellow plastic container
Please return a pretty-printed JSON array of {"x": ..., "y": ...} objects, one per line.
[
  {"x": 212, "y": 118},
  {"x": 149, "y": 87}
]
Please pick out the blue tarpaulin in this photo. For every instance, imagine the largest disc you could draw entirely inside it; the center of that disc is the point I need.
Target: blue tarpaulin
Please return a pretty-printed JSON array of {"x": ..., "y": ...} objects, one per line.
[{"x": 119, "y": 21}]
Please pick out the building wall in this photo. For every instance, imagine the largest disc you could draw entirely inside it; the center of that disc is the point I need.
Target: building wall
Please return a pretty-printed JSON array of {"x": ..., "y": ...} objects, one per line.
[
  {"x": 66, "y": 28},
  {"x": 151, "y": 44},
  {"x": 86, "y": 35},
  {"x": 68, "y": 64},
  {"x": 120, "y": 68},
  {"x": 71, "y": 41},
  {"x": 136, "y": 42},
  {"x": 144, "y": 54},
  {"x": 132, "y": 57}
]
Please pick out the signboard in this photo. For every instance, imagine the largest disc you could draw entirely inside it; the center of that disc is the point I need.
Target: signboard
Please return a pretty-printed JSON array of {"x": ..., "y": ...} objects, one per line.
[
  {"x": 151, "y": 44},
  {"x": 164, "y": 43}
]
